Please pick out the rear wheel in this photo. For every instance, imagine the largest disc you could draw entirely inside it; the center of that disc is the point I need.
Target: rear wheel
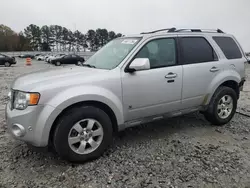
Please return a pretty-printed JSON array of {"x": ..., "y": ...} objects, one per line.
[
  {"x": 7, "y": 64},
  {"x": 83, "y": 134},
  {"x": 222, "y": 106},
  {"x": 79, "y": 63},
  {"x": 58, "y": 63}
]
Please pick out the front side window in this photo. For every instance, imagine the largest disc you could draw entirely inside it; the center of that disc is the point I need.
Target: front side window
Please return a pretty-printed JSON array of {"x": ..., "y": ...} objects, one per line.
[
  {"x": 160, "y": 52},
  {"x": 2, "y": 56},
  {"x": 196, "y": 50},
  {"x": 229, "y": 47},
  {"x": 113, "y": 53}
]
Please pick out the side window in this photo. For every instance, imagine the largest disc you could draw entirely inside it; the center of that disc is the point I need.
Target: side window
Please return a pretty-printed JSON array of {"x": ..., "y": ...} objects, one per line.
[
  {"x": 160, "y": 52},
  {"x": 2, "y": 56},
  {"x": 74, "y": 56},
  {"x": 229, "y": 47},
  {"x": 196, "y": 50},
  {"x": 68, "y": 56}
]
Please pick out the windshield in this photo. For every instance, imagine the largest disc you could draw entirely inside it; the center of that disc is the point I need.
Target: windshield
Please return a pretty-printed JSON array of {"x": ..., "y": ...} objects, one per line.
[{"x": 112, "y": 54}]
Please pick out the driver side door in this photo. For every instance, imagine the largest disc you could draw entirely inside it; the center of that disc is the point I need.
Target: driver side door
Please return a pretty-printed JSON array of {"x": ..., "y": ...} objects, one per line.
[
  {"x": 74, "y": 59},
  {"x": 157, "y": 90},
  {"x": 66, "y": 59}
]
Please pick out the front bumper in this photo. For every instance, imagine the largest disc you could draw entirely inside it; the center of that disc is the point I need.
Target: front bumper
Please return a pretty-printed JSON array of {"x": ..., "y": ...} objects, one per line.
[{"x": 33, "y": 121}]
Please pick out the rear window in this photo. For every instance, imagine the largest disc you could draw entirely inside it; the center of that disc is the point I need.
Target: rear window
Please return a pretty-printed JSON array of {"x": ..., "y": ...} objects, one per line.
[{"x": 229, "y": 47}]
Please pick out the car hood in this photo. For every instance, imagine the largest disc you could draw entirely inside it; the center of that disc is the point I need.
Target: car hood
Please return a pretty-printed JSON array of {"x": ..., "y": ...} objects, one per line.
[{"x": 54, "y": 77}]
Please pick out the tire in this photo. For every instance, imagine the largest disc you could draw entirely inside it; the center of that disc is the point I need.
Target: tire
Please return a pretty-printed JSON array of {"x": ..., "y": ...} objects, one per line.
[
  {"x": 58, "y": 63},
  {"x": 216, "y": 114},
  {"x": 7, "y": 64},
  {"x": 66, "y": 126}
]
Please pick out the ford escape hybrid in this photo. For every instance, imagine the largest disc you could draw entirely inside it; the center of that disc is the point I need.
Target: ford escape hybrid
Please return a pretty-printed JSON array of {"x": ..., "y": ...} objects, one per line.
[{"x": 130, "y": 81}]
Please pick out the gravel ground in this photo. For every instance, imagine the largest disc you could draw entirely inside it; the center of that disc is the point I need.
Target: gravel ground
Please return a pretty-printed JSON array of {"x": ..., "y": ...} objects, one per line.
[{"x": 179, "y": 152}]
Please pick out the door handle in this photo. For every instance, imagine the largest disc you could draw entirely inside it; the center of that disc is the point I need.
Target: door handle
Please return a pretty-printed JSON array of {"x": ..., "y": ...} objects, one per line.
[
  {"x": 214, "y": 69},
  {"x": 171, "y": 75}
]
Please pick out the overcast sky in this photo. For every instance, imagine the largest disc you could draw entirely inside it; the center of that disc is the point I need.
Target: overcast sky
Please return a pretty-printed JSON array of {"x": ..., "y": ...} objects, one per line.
[{"x": 131, "y": 16}]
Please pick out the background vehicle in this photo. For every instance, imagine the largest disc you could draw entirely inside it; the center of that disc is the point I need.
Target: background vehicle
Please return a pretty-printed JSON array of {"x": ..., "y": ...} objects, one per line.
[
  {"x": 46, "y": 57},
  {"x": 52, "y": 57},
  {"x": 27, "y": 56},
  {"x": 67, "y": 59},
  {"x": 132, "y": 80},
  {"x": 248, "y": 58},
  {"x": 6, "y": 60},
  {"x": 40, "y": 57},
  {"x": 36, "y": 55}
]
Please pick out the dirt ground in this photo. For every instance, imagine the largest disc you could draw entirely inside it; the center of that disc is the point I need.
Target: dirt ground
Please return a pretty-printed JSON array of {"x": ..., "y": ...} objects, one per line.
[{"x": 180, "y": 152}]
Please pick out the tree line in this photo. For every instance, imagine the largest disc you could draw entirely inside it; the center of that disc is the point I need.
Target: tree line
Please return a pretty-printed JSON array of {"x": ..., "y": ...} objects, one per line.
[{"x": 53, "y": 38}]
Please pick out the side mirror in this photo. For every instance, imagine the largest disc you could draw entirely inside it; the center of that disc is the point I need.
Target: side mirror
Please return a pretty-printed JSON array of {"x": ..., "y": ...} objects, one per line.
[{"x": 139, "y": 64}]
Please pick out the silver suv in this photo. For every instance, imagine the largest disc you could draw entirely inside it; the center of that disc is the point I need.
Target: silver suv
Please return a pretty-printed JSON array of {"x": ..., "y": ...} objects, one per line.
[{"x": 130, "y": 81}]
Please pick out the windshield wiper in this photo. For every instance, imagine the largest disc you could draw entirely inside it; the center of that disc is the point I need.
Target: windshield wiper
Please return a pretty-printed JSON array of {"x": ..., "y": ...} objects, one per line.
[{"x": 88, "y": 65}]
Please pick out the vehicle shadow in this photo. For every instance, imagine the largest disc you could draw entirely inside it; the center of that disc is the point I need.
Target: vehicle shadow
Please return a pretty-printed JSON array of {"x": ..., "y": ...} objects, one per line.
[{"x": 162, "y": 129}]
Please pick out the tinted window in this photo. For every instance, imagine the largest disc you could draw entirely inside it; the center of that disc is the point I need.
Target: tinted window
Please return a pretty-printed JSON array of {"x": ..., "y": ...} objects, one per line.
[
  {"x": 229, "y": 47},
  {"x": 160, "y": 52},
  {"x": 196, "y": 50},
  {"x": 74, "y": 56},
  {"x": 67, "y": 56}
]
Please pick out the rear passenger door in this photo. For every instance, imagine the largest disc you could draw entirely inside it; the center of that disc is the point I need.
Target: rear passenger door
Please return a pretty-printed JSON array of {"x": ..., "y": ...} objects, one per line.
[{"x": 200, "y": 66}]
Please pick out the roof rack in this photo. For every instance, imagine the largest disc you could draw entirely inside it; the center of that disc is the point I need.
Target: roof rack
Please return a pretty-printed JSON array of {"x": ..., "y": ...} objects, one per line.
[
  {"x": 156, "y": 31},
  {"x": 173, "y": 29},
  {"x": 201, "y": 30}
]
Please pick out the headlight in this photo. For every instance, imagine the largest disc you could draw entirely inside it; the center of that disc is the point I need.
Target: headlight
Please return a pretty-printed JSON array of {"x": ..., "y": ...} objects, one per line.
[{"x": 22, "y": 99}]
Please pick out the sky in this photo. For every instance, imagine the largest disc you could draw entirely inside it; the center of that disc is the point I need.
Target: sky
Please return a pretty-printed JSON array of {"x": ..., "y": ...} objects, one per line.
[{"x": 131, "y": 16}]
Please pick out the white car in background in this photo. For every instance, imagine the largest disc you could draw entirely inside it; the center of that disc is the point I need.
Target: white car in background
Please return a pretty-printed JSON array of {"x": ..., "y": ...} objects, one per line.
[
  {"x": 248, "y": 58},
  {"x": 40, "y": 58},
  {"x": 52, "y": 57}
]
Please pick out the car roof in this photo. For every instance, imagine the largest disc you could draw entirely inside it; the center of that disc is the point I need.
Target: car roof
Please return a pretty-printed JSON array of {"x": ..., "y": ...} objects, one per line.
[
  {"x": 176, "y": 34},
  {"x": 179, "y": 32}
]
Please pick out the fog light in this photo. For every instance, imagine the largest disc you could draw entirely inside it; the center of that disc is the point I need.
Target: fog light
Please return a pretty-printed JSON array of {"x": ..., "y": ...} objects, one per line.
[{"x": 18, "y": 130}]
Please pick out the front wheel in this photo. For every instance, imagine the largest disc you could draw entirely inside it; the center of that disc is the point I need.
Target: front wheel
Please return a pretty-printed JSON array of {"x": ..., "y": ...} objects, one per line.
[
  {"x": 222, "y": 106},
  {"x": 58, "y": 63},
  {"x": 7, "y": 64},
  {"x": 83, "y": 134}
]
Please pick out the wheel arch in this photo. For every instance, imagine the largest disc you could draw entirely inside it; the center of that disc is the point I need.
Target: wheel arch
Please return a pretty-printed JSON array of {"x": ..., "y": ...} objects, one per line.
[
  {"x": 229, "y": 78},
  {"x": 232, "y": 83},
  {"x": 96, "y": 104}
]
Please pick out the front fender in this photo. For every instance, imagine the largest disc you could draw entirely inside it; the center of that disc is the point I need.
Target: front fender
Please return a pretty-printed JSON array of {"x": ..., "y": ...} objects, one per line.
[
  {"x": 74, "y": 95},
  {"x": 219, "y": 79}
]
